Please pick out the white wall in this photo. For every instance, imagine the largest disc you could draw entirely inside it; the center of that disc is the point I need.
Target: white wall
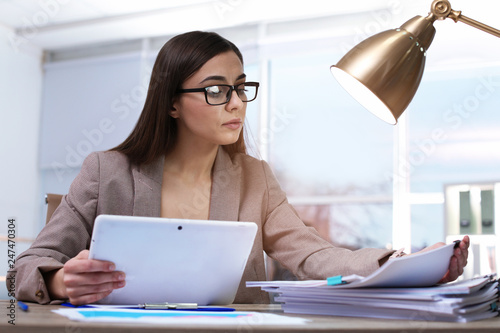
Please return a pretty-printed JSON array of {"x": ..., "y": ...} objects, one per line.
[{"x": 20, "y": 94}]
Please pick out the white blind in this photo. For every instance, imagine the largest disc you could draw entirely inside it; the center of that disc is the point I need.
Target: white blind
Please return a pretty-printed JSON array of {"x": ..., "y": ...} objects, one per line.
[{"x": 89, "y": 105}]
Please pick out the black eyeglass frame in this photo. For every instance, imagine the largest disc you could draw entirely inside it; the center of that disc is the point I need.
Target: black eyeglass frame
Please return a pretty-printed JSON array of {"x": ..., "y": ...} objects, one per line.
[{"x": 229, "y": 94}]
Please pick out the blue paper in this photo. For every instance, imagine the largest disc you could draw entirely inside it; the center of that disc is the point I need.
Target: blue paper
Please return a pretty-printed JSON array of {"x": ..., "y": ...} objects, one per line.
[{"x": 154, "y": 313}]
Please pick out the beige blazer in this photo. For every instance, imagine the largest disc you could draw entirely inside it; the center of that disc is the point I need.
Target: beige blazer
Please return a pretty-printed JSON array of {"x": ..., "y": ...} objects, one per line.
[{"x": 243, "y": 189}]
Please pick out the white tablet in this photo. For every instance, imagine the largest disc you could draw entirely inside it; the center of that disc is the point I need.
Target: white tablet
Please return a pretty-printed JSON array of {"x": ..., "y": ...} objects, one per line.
[{"x": 173, "y": 260}]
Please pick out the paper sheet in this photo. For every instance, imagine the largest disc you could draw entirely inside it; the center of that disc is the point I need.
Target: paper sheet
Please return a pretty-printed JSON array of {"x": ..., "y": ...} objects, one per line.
[
  {"x": 178, "y": 317},
  {"x": 417, "y": 270}
]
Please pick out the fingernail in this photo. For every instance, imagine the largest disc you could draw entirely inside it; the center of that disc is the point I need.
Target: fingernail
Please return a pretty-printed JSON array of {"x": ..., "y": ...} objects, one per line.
[
  {"x": 121, "y": 284},
  {"x": 111, "y": 267},
  {"x": 121, "y": 277}
]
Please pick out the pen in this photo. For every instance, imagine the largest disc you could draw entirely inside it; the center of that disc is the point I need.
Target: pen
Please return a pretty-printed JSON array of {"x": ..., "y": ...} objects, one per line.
[
  {"x": 155, "y": 306},
  {"x": 168, "y": 306},
  {"x": 22, "y": 305},
  {"x": 182, "y": 306}
]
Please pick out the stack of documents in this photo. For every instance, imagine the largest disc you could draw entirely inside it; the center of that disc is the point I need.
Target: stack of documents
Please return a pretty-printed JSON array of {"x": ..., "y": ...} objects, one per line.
[
  {"x": 403, "y": 288},
  {"x": 456, "y": 302}
]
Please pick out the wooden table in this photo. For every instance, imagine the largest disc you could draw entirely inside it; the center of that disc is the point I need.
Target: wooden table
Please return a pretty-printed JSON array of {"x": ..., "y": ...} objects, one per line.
[{"x": 39, "y": 318}]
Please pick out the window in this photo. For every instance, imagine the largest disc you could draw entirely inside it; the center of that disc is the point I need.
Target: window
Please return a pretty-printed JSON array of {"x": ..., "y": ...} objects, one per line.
[
  {"x": 326, "y": 150},
  {"x": 453, "y": 138}
]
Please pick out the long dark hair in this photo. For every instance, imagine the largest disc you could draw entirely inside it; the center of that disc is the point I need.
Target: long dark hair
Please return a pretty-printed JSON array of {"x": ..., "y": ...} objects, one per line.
[{"x": 156, "y": 131}]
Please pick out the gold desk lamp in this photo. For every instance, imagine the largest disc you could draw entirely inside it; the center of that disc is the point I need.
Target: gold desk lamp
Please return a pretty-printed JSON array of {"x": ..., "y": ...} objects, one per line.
[{"x": 383, "y": 72}]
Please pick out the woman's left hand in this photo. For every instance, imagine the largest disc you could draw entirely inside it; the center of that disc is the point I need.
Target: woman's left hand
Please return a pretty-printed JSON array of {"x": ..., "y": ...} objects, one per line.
[{"x": 458, "y": 261}]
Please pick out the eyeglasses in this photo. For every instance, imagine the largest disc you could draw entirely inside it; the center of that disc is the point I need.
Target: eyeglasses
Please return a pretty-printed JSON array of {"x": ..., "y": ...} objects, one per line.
[{"x": 221, "y": 93}]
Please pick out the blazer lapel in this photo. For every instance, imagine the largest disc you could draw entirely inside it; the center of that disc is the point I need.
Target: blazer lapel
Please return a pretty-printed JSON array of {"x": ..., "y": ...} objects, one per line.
[
  {"x": 225, "y": 196},
  {"x": 147, "y": 189}
]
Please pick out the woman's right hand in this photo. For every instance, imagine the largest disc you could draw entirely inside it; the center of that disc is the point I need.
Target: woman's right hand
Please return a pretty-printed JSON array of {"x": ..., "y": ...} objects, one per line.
[{"x": 83, "y": 280}]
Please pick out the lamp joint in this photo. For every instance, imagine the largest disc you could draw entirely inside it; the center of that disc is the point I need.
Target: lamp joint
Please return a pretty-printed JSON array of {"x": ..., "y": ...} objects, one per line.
[
  {"x": 441, "y": 9},
  {"x": 455, "y": 15}
]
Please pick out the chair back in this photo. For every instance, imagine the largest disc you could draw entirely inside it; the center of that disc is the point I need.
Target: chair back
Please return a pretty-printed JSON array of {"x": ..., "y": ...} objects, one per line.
[{"x": 52, "y": 200}]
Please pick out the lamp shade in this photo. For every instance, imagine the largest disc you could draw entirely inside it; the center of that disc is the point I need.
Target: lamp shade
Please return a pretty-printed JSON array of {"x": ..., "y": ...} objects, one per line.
[{"x": 384, "y": 71}]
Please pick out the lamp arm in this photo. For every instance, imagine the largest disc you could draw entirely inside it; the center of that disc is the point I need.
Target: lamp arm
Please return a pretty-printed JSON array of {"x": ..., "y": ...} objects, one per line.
[
  {"x": 441, "y": 9},
  {"x": 457, "y": 16}
]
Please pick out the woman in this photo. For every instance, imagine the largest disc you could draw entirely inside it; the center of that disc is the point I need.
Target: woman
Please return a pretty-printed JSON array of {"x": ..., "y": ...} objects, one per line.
[{"x": 186, "y": 158}]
